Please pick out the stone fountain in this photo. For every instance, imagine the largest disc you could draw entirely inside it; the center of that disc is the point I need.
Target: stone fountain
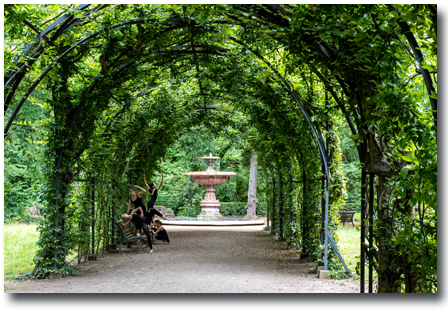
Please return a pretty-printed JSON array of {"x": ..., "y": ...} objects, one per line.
[{"x": 210, "y": 178}]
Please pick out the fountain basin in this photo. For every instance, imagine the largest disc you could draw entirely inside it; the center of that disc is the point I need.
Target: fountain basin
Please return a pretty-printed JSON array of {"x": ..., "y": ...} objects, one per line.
[
  {"x": 239, "y": 222},
  {"x": 210, "y": 178}
]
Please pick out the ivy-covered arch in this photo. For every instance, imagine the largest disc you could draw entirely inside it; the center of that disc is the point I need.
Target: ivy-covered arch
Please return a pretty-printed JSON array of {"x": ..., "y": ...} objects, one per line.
[{"x": 333, "y": 44}]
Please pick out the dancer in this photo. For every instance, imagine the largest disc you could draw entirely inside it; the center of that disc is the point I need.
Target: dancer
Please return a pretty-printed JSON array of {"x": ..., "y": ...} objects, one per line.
[
  {"x": 136, "y": 199},
  {"x": 160, "y": 233},
  {"x": 140, "y": 223},
  {"x": 153, "y": 190}
]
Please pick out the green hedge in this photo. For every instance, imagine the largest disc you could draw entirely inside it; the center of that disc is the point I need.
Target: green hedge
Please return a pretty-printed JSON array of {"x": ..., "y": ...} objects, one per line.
[
  {"x": 351, "y": 206},
  {"x": 237, "y": 209}
]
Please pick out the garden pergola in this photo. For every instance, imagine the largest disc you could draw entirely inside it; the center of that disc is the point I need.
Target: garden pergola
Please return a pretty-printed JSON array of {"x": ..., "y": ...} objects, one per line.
[{"x": 130, "y": 39}]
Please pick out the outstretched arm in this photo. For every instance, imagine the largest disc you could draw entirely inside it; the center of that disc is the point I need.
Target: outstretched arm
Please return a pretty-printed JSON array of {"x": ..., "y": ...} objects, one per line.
[
  {"x": 144, "y": 179},
  {"x": 161, "y": 182},
  {"x": 142, "y": 192},
  {"x": 123, "y": 223},
  {"x": 135, "y": 211}
]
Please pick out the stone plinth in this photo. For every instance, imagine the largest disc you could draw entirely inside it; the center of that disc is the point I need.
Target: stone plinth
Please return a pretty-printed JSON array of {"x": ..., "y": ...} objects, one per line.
[
  {"x": 55, "y": 275},
  {"x": 210, "y": 216},
  {"x": 324, "y": 274}
]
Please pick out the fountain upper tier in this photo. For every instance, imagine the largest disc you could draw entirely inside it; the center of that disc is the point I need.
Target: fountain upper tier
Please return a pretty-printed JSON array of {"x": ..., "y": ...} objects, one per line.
[{"x": 210, "y": 177}]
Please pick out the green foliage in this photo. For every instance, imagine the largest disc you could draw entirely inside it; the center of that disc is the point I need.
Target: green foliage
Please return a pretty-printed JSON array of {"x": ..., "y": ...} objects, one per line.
[
  {"x": 237, "y": 209},
  {"x": 132, "y": 100},
  {"x": 337, "y": 271},
  {"x": 18, "y": 198},
  {"x": 23, "y": 167}
]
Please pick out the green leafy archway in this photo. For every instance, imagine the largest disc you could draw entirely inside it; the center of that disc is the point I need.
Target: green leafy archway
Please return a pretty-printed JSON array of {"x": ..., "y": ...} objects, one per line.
[{"x": 125, "y": 78}]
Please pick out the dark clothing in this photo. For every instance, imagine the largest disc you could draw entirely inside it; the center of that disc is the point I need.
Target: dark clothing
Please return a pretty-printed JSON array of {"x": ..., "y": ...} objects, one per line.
[
  {"x": 138, "y": 221},
  {"x": 148, "y": 234},
  {"x": 153, "y": 199},
  {"x": 162, "y": 234},
  {"x": 141, "y": 223},
  {"x": 150, "y": 215},
  {"x": 138, "y": 203}
]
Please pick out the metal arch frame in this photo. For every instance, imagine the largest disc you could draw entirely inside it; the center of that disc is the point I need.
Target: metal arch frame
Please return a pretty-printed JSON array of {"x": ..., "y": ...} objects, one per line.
[
  {"x": 68, "y": 51},
  {"x": 141, "y": 94},
  {"x": 37, "y": 38},
  {"x": 61, "y": 151},
  {"x": 166, "y": 22},
  {"x": 85, "y": 40},
  {"x": 322, "y": 150},
  {"x": 317, "y": 134},
  {"x": 37, "y": 53}
]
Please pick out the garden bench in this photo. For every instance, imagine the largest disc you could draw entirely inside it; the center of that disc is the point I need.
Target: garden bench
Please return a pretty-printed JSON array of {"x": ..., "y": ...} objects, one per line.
[
  {"x": 347, "y": 217},
  {"x": 128, "y": 236}
]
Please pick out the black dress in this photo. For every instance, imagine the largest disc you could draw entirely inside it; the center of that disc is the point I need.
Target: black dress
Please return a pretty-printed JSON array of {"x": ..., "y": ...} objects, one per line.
[
  {"x": 152, "y": 201},
  {"x": 138, "y": 203},
  {"x": 152, "y": 211}
]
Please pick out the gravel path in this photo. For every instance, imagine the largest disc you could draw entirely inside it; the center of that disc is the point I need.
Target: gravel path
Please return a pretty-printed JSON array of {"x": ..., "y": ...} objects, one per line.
[{"x": 198, "y": 260}]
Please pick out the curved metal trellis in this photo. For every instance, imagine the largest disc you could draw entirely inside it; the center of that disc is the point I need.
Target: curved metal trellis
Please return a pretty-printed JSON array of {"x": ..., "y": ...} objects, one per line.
[
  {"x": 176, "y": 50},
  {"x": 67, "y": 52},
  {"x": 326, "y": 235}
]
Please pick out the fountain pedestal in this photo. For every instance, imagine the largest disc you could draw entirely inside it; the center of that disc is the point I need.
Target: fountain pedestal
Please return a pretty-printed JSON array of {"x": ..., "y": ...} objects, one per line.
[{"x": 210, "y": 207}]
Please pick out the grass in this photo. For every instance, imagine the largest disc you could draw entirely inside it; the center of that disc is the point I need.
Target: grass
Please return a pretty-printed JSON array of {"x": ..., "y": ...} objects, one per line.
[
  {"x": 19, "y": 248},
  {"x": 348, "y": 245}
]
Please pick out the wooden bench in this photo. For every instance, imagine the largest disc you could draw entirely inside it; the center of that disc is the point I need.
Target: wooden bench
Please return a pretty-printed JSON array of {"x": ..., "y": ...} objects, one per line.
[
  {"x": 347, "y": 217},
  {"x": 128, "y": 236}
]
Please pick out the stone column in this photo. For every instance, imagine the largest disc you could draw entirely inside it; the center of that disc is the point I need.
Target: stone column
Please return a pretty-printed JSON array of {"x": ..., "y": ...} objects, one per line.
[{"x": 252, "y": 201}]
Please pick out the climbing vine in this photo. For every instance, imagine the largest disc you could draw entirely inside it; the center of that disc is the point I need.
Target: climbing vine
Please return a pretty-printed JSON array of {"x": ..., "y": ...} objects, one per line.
[{"x": 126, "y": 82}]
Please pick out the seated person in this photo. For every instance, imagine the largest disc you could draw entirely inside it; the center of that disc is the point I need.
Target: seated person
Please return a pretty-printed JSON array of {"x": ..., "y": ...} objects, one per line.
[
  {"x": 140, "y": 223},
  {"x": 159, "y": 231},
  {"x": 139, "y": 211}
]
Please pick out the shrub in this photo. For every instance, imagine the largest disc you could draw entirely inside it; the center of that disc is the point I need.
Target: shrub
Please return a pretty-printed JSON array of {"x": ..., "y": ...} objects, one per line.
[{"x": 228, "y": 209}]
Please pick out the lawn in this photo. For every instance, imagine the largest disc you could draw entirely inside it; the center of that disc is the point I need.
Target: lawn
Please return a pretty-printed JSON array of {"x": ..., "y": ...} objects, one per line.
[
  {"x": 19, "y": 249},
  {"x": 349, "y": 247}
]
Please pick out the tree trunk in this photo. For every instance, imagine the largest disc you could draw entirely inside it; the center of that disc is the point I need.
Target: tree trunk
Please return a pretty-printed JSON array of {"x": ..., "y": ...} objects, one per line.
[{"x": 389, "y": 275}]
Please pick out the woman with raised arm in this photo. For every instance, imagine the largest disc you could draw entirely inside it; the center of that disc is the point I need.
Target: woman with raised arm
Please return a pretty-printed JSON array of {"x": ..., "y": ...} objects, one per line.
[
  {"x": 140, "y": 222},
  {"x": 136, "y": 199},
  {"x": 153, "y": 190}
]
